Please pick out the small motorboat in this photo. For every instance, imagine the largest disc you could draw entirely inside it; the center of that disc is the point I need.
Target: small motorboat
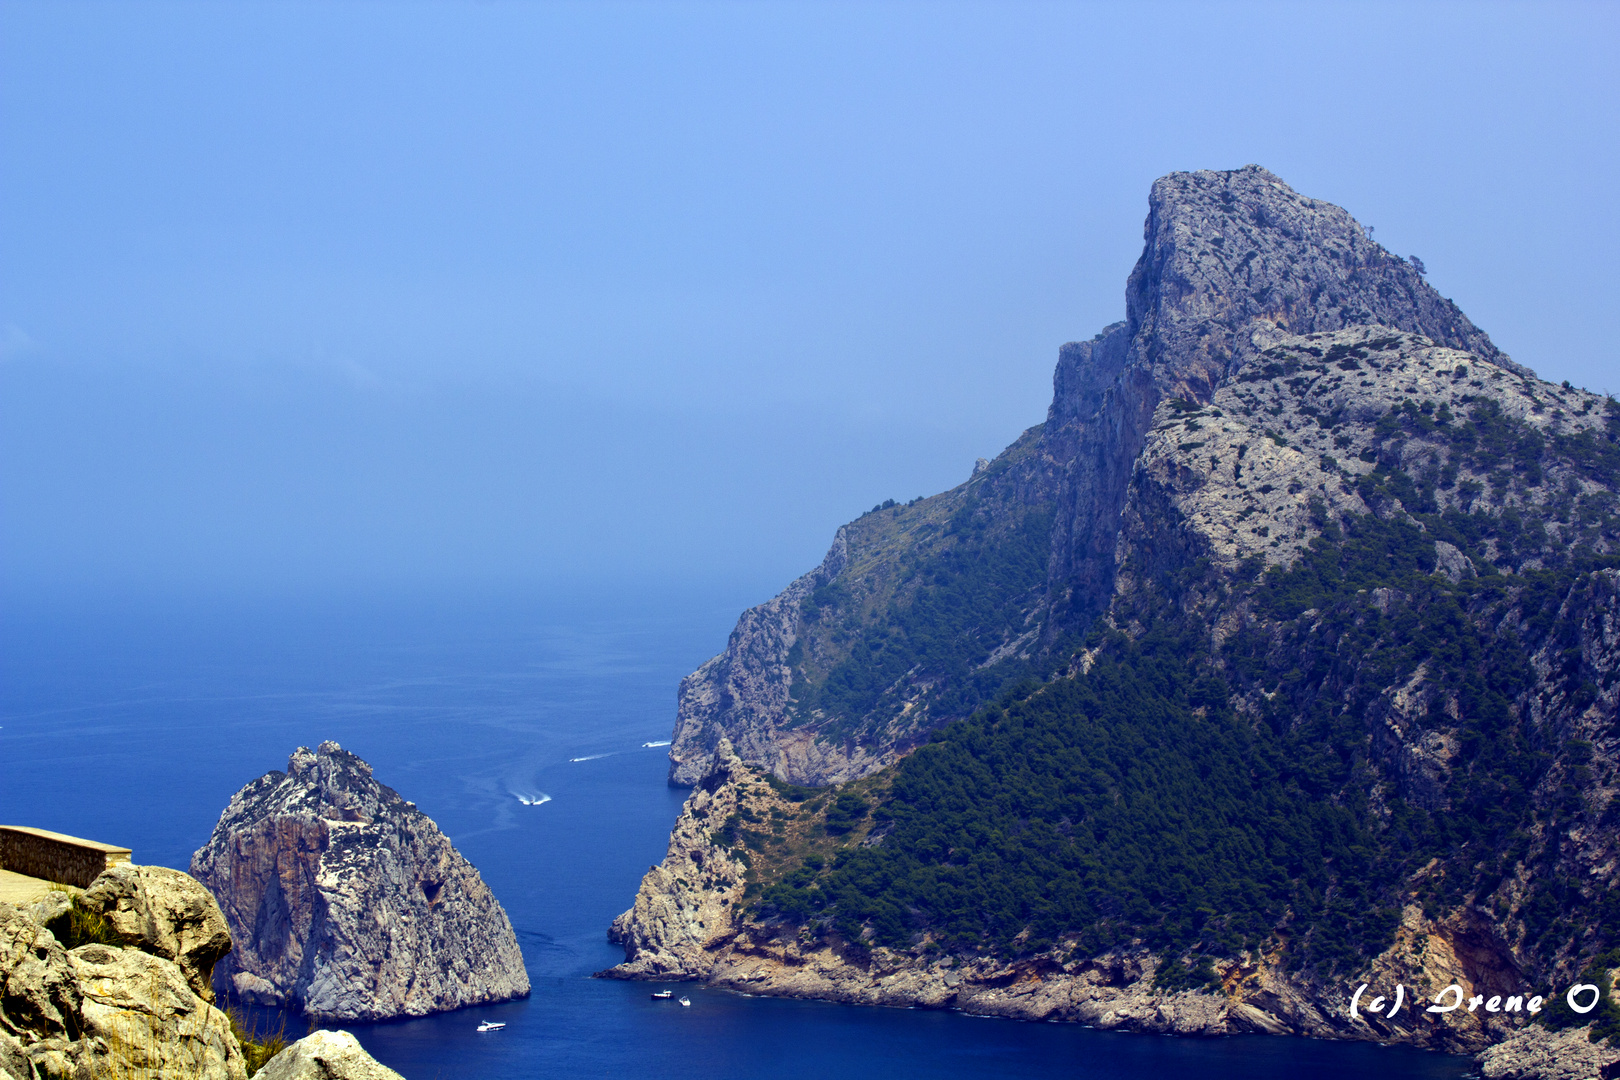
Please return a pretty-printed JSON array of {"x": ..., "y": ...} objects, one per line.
[
  {"x": 490, "y": 1025},
  {"x": 663, "y": 995},
  {"x": 685, "y": 1003}
]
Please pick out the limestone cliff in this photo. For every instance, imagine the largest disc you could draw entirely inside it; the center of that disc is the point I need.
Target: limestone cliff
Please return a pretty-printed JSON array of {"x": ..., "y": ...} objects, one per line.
[
  {"x": 686, "y": 904},
  {"x": 347, "y": 902},
  {"x": 1231, "y": 259}
]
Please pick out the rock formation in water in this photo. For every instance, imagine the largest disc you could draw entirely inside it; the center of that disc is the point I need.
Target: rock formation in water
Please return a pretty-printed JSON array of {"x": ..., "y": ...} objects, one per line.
[
  {"x": 134, "y": 1004},
  {"x": 1285, "y": 656},
  {"x": 347, "y": 902}
]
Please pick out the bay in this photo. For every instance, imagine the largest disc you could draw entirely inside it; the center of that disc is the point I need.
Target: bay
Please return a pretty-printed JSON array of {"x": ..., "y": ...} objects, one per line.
[{"x": 133, "y": 721}]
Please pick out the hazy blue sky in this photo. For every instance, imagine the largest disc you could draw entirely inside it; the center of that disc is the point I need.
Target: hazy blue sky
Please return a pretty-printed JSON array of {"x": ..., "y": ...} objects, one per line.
[{"x": 314, "y": 296}]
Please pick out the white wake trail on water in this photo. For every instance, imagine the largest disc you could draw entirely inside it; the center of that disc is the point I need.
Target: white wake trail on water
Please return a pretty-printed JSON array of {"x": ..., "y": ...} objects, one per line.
[
  {"x": 530, "y": 798},
  {"x": 611, "y": 753}
]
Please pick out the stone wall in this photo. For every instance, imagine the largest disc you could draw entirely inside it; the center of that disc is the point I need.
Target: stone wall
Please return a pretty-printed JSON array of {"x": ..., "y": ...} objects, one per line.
[{"x": 53, "y": 856}]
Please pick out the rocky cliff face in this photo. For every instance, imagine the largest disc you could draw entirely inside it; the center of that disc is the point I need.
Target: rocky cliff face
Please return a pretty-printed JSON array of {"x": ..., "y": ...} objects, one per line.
[
  {"x": 857, "y": 661},
  {"x": 687, "y": 903},
  {"x": 135, "y": 1004},
  {"x": 746, "y": 688},
  {"x": 1231, "y": 260},
  {"x": 348, "y": 902},
  {"x": 1295, "y": 508}
]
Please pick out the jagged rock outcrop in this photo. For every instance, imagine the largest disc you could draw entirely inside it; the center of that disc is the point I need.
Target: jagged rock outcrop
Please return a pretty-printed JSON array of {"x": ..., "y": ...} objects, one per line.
[
  {"x": 347, "y": 901},
  {"x": 745, "y": 688},
  {"x": 686, "y": 902},
  {"x": 326, "y": 1055},
  {"x": 166, "y": 913},
  {"x": 1232, "y": 261},
  {"x": 98, "y": 1009},
  {"x": 13, "y": 1060},
  {"x": 1278, "y": 451}
]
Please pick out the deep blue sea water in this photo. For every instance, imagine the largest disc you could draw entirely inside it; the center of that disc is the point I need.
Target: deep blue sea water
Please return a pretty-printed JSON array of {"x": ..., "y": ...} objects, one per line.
[{"x": 134, "y": 723}]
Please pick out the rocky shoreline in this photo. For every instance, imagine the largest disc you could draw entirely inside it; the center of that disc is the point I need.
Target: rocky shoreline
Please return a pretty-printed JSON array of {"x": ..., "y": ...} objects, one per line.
[{"x": 690, "y": 921}]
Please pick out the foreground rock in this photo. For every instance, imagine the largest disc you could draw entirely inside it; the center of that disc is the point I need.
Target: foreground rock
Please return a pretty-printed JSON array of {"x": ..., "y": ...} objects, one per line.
[
  {"x": 348, "y": 902},
  {"x": 166, "y": 913},
  {"x": 111, "y": 1010},
  {"x": 326, "y": 1055}
]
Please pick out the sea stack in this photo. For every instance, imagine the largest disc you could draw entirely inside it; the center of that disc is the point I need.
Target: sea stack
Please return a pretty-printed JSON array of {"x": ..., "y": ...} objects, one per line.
[{"x": 347, "y": 902}]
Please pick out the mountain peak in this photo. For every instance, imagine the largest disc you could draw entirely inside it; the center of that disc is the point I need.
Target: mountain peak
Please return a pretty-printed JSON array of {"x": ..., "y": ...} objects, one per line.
[
  {"x": 1235, "y": 264},
  {"x": 1228, "y": 252}
]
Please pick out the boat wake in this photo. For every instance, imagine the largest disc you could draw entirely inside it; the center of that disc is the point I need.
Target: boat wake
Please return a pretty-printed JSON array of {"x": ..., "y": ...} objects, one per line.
[
  {"x": 589, "y": 757},
  {"x": 664, "y": 743},
  {"x": 531, "y": 798}
]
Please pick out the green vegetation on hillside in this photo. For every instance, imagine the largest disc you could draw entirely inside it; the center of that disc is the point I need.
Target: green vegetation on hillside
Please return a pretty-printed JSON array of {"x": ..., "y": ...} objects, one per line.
[
  {"x": 952, "y": 606},
  {"x": 1130, "y": 801},
  {"x": 1136, "y": 801}
]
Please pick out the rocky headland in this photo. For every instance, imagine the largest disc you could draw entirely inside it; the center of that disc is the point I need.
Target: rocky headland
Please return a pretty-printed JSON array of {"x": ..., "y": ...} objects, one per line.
[
  {"x": 693, "y": 919},
  {"x": 1282, "y": 659},
  {"x": 1232, "y": 261},
  {"x": 348, "y": 902}
]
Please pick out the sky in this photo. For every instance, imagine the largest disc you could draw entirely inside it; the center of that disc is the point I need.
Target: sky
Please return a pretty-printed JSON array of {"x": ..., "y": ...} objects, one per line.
[{"x": 353, "y": 296}]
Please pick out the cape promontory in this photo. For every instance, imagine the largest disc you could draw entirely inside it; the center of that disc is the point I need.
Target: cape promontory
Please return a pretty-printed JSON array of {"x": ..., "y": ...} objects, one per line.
[
  {"x": 1281, "y": 660},
  {"x": 348, "y": 902}
]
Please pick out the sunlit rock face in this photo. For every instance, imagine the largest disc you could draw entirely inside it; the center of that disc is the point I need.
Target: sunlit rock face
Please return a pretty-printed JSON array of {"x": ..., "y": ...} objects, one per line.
[{"x": 136, "y": 1003}]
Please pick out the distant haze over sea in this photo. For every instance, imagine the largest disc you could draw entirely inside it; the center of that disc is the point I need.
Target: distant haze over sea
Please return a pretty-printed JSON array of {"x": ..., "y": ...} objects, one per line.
[{"x": 304, "y": 297}]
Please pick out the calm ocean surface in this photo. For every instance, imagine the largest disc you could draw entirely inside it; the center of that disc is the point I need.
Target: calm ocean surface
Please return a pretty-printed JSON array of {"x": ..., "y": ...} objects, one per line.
[{"x": 135, "y": 723}]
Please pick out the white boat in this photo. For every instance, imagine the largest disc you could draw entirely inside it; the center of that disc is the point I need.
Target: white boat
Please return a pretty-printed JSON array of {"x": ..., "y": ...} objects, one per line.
[
  {"x": 490, "y": 1025},
  {"x": 685, "y": 1002},
  {"x": 663, "y": 995}
]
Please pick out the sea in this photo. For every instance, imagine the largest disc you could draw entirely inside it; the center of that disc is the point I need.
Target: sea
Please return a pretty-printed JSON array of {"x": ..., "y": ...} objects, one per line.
[{"x": 528, "y": 724}]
